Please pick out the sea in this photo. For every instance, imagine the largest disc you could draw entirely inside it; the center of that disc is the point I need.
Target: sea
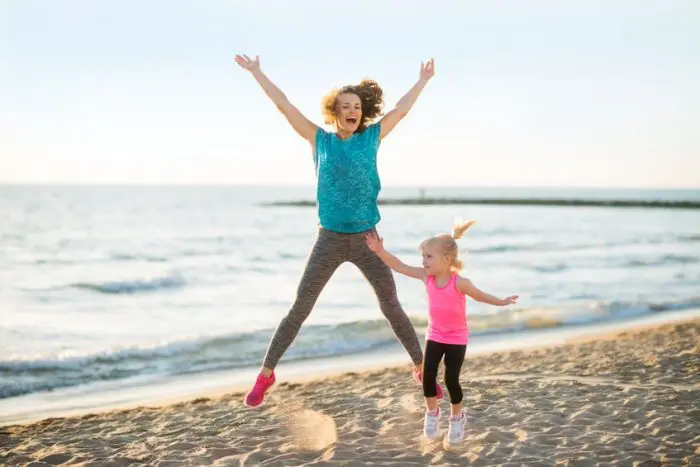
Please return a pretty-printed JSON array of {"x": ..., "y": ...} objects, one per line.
[{"x": 105, "y": 289}]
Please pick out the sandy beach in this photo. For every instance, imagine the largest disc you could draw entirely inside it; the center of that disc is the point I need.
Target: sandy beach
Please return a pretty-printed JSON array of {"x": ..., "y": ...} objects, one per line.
[{"x": 630, "y": 398}]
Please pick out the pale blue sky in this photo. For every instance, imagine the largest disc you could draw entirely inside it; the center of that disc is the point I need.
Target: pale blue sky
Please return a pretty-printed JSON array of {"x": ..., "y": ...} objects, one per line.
[{"x": 541, "y": 93}]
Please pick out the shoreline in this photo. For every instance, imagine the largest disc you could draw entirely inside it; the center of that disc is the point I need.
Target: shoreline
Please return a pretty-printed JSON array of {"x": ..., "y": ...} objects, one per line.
[
  {"x": 157, "y": 392},
  {"x": 626, "y": 396}
]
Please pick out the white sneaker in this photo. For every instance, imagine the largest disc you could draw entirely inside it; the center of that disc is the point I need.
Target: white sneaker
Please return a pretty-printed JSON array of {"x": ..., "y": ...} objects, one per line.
[
  {"x": 431, "y": 426},
  {"x": 455, "y": 434}
]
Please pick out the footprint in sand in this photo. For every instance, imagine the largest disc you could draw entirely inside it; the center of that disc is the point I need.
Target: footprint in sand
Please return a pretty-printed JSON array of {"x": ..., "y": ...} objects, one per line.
[
  {"x": 428, "y": 446},
  {"x": 311, "y": 430}
]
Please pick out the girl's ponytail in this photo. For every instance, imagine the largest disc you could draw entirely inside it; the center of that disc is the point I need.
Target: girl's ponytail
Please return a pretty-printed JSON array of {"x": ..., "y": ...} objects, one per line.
[{"x": 459, "y": 229}]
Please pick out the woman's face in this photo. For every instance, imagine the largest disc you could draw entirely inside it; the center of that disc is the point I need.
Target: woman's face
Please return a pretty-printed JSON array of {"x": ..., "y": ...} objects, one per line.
[{"x": 348, "y": 112}]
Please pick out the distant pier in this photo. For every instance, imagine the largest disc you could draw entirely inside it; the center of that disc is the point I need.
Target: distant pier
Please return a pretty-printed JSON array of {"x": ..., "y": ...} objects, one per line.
[{"x": 426, "y": 201}]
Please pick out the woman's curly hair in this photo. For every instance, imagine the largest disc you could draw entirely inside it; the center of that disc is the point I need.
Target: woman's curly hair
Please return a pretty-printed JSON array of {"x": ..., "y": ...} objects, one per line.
[{"x": 370, "y": 94}]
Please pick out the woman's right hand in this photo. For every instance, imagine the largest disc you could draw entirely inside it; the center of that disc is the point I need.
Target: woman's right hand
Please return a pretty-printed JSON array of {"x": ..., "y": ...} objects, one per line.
[
  {"x": 301, "y": 124},
  {"x": 247, "y": 63}
]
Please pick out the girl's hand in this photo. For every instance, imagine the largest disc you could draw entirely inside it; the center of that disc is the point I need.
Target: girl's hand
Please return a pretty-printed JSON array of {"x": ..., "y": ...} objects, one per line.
[
  {"x": 427, "y": 70},
  {"x": 510, "y": 300},
  {"x": 374, "y": 242},
  {"x": 247, "y": 63}
]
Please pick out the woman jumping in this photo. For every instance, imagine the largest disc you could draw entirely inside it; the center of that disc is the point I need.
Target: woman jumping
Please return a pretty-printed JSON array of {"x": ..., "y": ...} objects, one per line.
[{"x": 348, "y": 186}]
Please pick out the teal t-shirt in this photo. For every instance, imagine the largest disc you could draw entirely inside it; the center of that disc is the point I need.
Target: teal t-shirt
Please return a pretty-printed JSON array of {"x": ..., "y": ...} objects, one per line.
[{"x": 348, "y": 182}]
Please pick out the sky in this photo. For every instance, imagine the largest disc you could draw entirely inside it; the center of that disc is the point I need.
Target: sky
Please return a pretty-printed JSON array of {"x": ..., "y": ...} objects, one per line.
[{"x": 580, "y": 93}]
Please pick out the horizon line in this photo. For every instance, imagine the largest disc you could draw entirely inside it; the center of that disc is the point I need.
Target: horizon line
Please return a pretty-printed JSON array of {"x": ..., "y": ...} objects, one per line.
[{"x": 288, "y": 185}]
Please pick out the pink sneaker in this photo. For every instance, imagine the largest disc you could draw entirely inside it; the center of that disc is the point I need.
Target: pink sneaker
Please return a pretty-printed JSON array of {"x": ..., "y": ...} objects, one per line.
[
  {"x": 418, "y": 377},
  {"x": 257, "y": 394}
]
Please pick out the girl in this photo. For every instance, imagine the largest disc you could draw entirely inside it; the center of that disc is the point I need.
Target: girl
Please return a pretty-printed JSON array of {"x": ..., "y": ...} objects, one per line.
[
  {"x": 447, "y": 334},
  {"x": 348, "y": 186}
]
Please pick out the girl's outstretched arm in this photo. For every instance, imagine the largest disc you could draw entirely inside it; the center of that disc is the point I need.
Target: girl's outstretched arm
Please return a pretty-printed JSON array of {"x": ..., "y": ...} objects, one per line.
[
  {"x": 301, "y": 124},
  {"x": 466, "y": 287},
  {"x": 376, "y": 244},
  {"x": 389, "y": 121}
]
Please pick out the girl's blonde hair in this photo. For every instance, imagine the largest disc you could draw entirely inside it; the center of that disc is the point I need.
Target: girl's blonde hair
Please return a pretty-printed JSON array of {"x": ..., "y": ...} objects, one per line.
[{"x": 448, "y": 244}]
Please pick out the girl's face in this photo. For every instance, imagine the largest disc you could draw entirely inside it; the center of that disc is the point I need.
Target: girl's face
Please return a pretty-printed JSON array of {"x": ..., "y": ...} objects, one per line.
[
  {"x": 348, "y": 113},
  {"x": 434, "y": 261}
]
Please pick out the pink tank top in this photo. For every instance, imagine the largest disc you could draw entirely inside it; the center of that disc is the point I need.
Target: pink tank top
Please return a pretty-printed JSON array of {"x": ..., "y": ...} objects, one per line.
[{"x": 447, "y": 314}]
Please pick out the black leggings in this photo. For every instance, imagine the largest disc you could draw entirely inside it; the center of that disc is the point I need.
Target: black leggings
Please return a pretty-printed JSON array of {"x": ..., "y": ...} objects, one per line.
[{"x": 454, "y": 357}]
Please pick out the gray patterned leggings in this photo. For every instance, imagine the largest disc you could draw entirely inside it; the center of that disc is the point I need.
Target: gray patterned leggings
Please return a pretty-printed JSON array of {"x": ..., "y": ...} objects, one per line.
[{"x": 330, "y": 251}]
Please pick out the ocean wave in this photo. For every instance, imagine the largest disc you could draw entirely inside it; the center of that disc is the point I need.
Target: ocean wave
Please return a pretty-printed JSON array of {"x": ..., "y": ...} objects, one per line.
[
  {"x": 511, "y": 320},
  {"x": 663, "y": 260},
  {"x": 506, "y": 248},
  {"x": 502, "y": 248},
  {"x": 289, "y": 255},
  {"x": 171, "y": 281},
  {"x": 551, "y": 268},
  {"x": 556, "y": 247},
  {"x": 138, "y": 257},
  {"x": 212, "y": 353},
  {"x": 239, "y": 350},
  {"x": 57, "y": 261}
]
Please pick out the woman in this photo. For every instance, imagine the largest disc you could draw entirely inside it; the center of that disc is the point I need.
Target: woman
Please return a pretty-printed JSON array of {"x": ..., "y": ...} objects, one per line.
[{"x": 348, "y": 186}]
